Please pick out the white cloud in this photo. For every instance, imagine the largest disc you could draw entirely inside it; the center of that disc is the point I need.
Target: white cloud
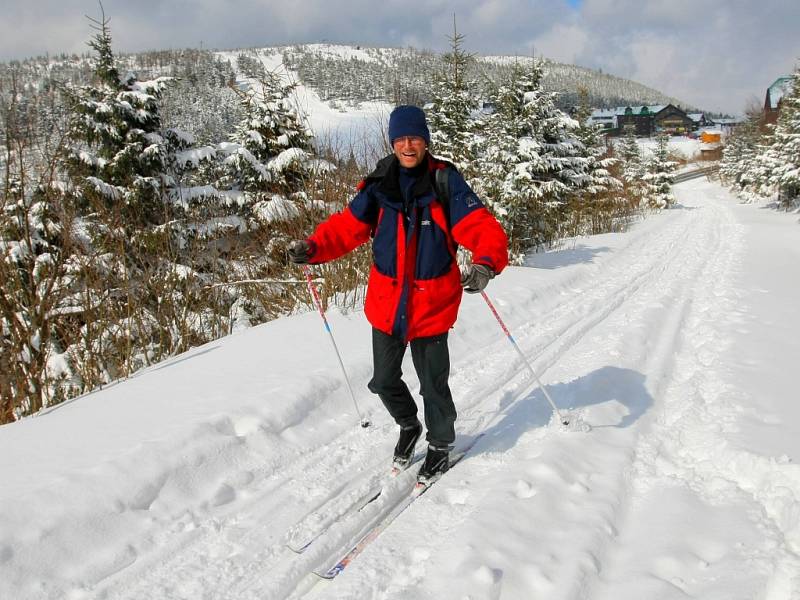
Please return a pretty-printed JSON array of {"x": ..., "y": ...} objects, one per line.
[
  {"x": 711, "y": 53},
  {"x": 564, "y": 43}
]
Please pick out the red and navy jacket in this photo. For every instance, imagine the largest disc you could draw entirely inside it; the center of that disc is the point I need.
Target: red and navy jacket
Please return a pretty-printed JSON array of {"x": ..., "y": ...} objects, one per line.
[{"x": 414, "y": 286}]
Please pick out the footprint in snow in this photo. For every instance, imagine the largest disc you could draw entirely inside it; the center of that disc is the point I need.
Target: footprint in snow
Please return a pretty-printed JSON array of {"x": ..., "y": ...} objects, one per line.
[
  {"x": 487, "y": 575},
  {"x": 225, "y": 495},
  {"x": 525, "y": 490},
  {"x": 457, "y": 496}
]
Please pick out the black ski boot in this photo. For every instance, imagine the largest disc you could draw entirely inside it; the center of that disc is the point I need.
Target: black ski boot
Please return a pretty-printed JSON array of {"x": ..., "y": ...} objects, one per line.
[
  {"x": 404, "y": 450},
  {"x": 437, "y": 461}
]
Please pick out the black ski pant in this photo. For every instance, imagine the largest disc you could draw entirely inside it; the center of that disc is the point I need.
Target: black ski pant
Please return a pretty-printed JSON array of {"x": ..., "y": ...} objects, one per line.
[{"x": 432, "y": 362}]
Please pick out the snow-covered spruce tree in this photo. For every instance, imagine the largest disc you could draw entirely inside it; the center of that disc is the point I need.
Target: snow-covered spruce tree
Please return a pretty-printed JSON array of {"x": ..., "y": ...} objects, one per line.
[
  {"x": 141, "y": 295},
  {"x": 531, "y": 162},
  {"x": 784, "y": 152},
  {"x": 263, "y": 173},
  {"x": 633, "y": 170},
  {"x": 598, "y": 203},
  {"x": 454, "y": 101},
  {"x": 36, "y": 246},
  {"x": 658, "y": 176},
  {"x": 117, "y": 154},
  {"x": 116, "y": 166},
  {"x": 740, "y": 167}
]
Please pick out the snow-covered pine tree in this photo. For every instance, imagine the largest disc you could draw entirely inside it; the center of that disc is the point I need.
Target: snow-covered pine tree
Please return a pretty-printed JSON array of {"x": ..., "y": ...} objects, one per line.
[
  {"x": 740, "y": 166},
  {"x": 454, "y": 101},
  {"x": 658, "y": 175},
  {"x": 263, "y": 174},
  {"x": 37, "y": 234},
  {"x": 598, "y": 202},
  {"x": 126, "y": 172},
  {"x": 633, "y": 169},
  {"x": 531, "y": 162},
  {"x": 501, "y": 131},
  {"x": 784, "y": 152},
  {"x": 115, "y": 165},
  {"x": 117, "y": 153}
]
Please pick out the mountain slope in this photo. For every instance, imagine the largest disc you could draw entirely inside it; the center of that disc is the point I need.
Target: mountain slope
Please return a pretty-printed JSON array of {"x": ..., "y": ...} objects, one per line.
[{"x": 361, "y": 74}]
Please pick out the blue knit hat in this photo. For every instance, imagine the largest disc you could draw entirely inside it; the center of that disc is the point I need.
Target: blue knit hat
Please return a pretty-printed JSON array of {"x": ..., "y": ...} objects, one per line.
[{"x": 408, "y": 120}]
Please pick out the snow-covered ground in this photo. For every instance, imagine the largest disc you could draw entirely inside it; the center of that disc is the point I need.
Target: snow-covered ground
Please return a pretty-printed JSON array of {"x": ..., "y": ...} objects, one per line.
[
  {"x": 677, "y": 341},
  {"x": 680, "y": 145}
]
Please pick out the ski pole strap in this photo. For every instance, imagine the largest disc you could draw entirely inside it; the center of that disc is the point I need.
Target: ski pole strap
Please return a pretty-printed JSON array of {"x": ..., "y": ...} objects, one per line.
[{"x": 315, "y": 296}]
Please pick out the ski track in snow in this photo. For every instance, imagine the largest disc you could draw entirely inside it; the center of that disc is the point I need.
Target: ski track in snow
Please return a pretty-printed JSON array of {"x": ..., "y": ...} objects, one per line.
[
  {"x": 573, "y": 540},
  {"x": 218, "y": 556},
  {"x": 659, "y": 266},
  {"x": 634, "y": 347}
]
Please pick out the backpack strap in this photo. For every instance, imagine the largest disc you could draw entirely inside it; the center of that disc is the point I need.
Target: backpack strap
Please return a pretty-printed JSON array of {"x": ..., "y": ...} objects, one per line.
[
  {"x": 442, "y": 179},
  {"x": 442, "y": 186}
]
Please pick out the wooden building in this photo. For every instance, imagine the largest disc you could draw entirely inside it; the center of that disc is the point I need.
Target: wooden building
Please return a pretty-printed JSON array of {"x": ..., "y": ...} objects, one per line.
[
  {"x": 645, "y": 121},
  {"x": 637, "y": 120},
  {"x": 673, "y": 120},
  {"x": 700, "y": 120}
]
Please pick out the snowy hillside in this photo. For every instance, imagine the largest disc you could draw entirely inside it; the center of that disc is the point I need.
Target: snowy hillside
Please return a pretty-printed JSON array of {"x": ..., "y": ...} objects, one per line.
[
  {"x": 357, "y": 129},
  {"x": 676, "y": 341},
  {"x": 355, "y": 74},
  {"x": 360, "y": 129}
]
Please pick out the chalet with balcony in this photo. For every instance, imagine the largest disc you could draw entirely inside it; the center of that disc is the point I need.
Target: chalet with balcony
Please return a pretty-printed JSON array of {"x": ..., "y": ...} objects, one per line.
[{"x": 644, "y": 121}]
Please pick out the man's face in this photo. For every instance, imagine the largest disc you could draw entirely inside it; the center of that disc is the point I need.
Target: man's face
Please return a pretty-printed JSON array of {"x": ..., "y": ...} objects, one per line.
[{"x": 409, "y": 150}]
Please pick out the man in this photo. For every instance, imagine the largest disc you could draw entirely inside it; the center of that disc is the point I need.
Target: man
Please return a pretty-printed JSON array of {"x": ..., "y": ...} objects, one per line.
[{"x": 415, "y": 285}]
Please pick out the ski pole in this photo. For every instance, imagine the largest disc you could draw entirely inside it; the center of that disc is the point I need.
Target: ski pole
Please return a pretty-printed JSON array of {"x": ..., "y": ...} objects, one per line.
[
  {"x": 315, "y": 297},
  {"x": 562, "y": 419}
]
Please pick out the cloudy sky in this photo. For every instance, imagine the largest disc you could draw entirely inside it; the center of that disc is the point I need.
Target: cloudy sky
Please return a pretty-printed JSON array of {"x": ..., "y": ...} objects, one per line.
[{"x": 716, "y": 54}]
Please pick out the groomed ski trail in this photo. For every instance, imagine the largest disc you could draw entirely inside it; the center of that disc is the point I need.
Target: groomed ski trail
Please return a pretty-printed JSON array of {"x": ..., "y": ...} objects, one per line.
[
  {"x": 586, "y": 345},
  {"x": 567, "y": 521}
]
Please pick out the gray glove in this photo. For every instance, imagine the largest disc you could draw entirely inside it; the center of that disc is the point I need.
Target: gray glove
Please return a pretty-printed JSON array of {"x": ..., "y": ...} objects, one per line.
[
  {"x": 300, "y": 252},
  {"x": 475, "y": 278}
]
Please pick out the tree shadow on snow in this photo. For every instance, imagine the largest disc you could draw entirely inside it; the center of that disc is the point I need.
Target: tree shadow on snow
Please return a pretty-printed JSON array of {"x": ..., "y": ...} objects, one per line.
[
  {"x": 608, "y": 384},
  {"x": 171, "y": 362},
  {"x": 564, "y": 257}
]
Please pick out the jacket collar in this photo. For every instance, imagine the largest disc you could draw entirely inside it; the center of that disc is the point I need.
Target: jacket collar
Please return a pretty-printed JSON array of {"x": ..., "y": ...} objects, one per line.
[{"x": 387, "y": 177}]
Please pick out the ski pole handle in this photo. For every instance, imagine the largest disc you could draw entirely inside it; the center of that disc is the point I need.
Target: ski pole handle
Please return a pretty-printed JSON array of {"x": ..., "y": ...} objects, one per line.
[{"x": 525, "y": 360}]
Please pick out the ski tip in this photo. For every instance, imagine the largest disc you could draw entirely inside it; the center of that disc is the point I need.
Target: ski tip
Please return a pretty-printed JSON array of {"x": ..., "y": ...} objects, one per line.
[{"x": 329, "y": 574}]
